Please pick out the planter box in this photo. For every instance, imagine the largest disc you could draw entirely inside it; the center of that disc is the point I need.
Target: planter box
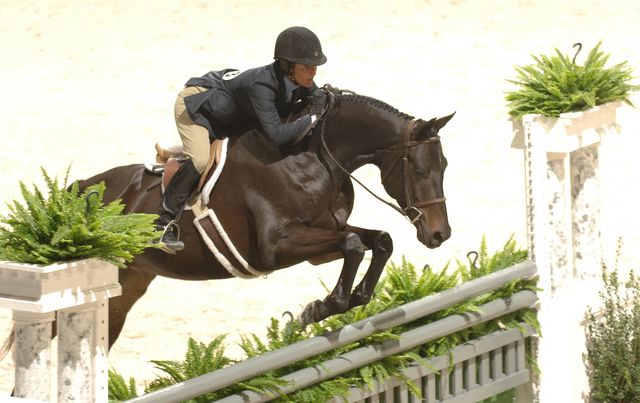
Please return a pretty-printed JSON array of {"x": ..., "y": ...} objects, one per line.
[
  {"x": 572, "y": 130},
  {"x": 38, "y": 288}
]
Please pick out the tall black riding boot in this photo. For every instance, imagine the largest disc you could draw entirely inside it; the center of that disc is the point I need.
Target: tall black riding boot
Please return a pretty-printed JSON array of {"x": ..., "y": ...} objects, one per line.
[{"x": 175, "y": 196}]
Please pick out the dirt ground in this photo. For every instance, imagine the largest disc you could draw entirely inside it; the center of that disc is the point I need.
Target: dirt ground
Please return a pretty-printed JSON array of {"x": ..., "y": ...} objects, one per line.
[{"x": 91, "y": 84}]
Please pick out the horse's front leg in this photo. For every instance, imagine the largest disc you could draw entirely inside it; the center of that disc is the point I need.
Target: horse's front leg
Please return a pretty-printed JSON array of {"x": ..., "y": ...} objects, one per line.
[
  {"x": 381, "y": 246},
  {"x": 302, "y": 243}
]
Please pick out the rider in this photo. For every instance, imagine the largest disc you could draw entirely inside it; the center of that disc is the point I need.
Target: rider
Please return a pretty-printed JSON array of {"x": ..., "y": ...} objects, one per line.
[{"x": 209, "y": 106}]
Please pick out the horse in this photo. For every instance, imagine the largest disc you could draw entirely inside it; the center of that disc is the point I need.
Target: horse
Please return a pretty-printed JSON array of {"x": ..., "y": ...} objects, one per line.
[{"x": 283, "y": 206}]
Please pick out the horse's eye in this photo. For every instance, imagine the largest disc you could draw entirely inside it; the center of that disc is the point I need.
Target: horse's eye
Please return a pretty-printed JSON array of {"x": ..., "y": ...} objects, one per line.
[{"x": 420, "y": 172}]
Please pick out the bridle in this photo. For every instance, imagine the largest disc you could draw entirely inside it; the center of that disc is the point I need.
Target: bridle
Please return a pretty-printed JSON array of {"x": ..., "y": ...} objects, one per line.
[{"x": 412, "y": 206}]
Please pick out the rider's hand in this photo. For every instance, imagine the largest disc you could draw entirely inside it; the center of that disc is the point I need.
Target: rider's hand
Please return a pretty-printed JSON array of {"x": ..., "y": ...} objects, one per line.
[
  {"x": 306, "y": 132},
  {"x": 317, "y": 103}
]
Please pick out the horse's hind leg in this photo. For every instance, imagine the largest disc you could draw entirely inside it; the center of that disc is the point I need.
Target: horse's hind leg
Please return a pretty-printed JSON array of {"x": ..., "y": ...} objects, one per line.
[
  {"x": 303, "y": 243},
  {"x": 134, "y": 284},
  {"x": 381, "y": 246}
]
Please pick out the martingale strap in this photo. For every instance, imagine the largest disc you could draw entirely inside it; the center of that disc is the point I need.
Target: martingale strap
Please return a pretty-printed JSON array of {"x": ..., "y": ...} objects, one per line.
[{"x": 219, "y": 243}]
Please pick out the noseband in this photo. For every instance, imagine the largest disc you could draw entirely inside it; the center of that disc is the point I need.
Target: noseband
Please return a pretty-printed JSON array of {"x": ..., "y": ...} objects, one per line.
[{"x": 412, "y": 206}]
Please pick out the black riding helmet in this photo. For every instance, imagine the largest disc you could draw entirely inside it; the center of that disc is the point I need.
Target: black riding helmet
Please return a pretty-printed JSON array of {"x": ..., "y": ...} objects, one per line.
[{"x": 299, "y": 45}]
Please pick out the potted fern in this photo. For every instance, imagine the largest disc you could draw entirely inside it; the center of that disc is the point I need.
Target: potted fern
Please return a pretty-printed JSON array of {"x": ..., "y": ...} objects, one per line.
[
  {"x": 60, "y": 254},
  {"x": 53, "y": 243},
  {"x": 574, "y": 104}
]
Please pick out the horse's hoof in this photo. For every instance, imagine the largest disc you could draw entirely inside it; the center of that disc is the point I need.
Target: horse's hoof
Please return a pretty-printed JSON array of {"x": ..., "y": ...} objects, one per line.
[{"x": 309, "y": 314}]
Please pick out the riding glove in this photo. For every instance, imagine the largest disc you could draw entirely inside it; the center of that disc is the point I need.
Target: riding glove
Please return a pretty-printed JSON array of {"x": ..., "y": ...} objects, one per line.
[{"x": 317, "y": 102}]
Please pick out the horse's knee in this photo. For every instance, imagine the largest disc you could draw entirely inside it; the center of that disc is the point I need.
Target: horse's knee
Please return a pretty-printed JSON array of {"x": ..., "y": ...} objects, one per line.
[
  {"x": 353, "y": 247},
  {"x": 384, "y": 243}
]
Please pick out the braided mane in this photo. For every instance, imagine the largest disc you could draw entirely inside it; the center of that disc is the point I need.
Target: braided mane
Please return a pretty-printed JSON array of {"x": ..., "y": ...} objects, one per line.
[{"x": 362, "y": 99}]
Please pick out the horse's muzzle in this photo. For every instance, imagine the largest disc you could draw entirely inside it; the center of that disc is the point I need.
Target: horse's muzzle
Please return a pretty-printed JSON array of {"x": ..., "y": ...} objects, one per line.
[{"x": 433, "y": 231}]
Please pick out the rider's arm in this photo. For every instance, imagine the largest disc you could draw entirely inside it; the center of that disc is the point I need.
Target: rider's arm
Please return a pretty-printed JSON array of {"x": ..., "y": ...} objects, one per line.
[{"x": 263, "y": 101}]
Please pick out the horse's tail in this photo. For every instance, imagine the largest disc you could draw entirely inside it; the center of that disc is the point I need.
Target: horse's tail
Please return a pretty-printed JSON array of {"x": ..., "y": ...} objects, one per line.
[{"x": 8, "y": 343}]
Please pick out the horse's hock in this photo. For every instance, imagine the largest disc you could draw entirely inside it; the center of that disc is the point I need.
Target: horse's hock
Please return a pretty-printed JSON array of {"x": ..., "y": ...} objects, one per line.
[
  {"x": 562, "y": 167},
  {"x": 75, "y": 294}
]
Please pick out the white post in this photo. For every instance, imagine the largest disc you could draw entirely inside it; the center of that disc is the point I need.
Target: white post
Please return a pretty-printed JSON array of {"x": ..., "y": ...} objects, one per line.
[
  {"x": 82, "y": 353},
  {"x": 33, "y": 354},
  {"x": 79, "y": 292},
  {"x": 585, "y": 194},
  {"x": 563, "y": 232}
]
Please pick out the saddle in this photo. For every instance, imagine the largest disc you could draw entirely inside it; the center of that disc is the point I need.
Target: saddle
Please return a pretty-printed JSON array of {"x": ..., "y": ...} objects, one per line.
[{"x": 170, "y": 156}]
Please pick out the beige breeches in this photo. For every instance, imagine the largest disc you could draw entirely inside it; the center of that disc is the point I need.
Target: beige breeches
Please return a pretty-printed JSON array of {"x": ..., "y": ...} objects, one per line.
[{"x": 195, "y": 138}]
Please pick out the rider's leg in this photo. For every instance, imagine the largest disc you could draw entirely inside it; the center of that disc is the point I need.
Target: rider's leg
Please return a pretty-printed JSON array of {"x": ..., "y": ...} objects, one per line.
[
  {"x": 195, "y": 143},
  {"x": 195, "y": 138},
  {"x": 175, "y": 196}
]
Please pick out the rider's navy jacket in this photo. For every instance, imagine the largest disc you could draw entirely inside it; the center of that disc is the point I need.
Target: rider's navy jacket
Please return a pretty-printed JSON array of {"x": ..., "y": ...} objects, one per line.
[{"x": 261, "y": 93}]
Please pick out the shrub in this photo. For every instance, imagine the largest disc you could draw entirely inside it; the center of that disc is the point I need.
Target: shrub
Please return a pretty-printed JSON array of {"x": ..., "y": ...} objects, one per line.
[
  {"x": 70, "y": 224},
  {"x": 556, "y": 84},
  {"x": 613, "y": 340}
]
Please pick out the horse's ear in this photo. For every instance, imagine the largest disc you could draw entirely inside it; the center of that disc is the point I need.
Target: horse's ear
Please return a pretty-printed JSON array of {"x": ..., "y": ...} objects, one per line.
[
  {"x": 431, "y": 128},
  {"x": 439, "y": 123}
]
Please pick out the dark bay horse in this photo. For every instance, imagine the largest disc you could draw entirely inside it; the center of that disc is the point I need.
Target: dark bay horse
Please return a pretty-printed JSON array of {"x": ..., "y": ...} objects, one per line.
[{"x": 281, "y": 207}]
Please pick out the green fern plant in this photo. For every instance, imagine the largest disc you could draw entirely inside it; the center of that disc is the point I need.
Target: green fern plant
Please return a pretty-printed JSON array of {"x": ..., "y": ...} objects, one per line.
[
  {"x": 201, "y": 359},
  {"x": 556, "y": 84},
  {"x": 119, "y": 389},
  {"x": 403, "y": 284},
  {"x": 70, "y": 224},
  {"x": 481, "y": 264}
]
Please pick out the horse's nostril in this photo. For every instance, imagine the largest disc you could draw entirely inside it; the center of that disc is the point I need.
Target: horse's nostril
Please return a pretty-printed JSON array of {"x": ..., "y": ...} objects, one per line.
[{"x": 437, "y": 236}]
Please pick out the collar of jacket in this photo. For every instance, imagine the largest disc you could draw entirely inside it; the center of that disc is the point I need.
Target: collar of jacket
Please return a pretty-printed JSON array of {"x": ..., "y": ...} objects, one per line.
[
  {"x": 281, "y": 102},
  {"x": 289, "y": 87}
]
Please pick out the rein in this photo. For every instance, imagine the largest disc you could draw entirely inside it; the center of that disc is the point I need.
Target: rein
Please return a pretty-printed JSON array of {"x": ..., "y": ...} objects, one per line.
[{"x": 412, "y": 207}]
